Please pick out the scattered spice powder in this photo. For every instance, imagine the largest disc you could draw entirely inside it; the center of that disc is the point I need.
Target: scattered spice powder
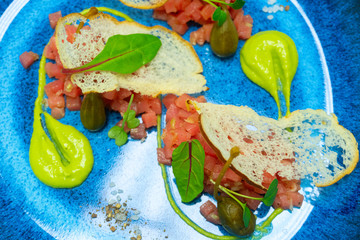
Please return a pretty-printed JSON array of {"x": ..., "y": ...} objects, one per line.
[{"x": 118, "y": 215}]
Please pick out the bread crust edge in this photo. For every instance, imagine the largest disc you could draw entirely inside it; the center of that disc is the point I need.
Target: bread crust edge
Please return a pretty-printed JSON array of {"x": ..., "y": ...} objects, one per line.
[{"x": 145, "y": 6}]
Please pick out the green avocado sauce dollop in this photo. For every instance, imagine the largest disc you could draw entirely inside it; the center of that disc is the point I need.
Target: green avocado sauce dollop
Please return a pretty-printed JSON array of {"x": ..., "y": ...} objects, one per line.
[
  {"x": 66, "y": 160},
  {"x": 270, "y": 60}
]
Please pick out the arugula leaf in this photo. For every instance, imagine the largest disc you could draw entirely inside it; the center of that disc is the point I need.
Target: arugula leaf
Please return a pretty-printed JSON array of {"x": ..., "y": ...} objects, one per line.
[
  {"x": 188, "y": 168},
  {"x": 219, "y": 16},
  {"x": 122, "y": 54},
  {"x": 237, "y": 4},
  {"x": 270, "y": 194}
]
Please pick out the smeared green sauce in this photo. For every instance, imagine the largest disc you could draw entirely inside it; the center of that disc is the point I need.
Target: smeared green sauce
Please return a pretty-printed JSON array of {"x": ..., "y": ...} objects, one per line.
[
  {"x": 265, "y": 228},
  {"x": 270, "y": 60},
  {"x": 260, "y": 231},
  {"x": 66, "y": 160}
]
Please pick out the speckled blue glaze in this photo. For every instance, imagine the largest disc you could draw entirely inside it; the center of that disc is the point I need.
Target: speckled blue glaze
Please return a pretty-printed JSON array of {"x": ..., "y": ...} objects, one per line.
[{"x": 31, "y": 210}]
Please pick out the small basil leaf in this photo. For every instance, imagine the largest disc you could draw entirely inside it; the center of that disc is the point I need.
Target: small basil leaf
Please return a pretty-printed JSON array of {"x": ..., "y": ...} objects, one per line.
[
  {"x": 246, "y": 216},
  {"x": 123, "y": 54},
  {"x": 270, "y": 195},
  {"x": 122, "y": 138},
  {"x": 133, "y": 123},
  {"x": 188, "y": 167},
  {"x": 114, "y": 132},
  {"x": 237, "y": 4}
]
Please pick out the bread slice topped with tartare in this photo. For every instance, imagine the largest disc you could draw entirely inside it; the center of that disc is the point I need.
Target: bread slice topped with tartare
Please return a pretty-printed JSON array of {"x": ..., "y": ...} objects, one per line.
[
  {"x": 306, "y": 144},
  {"x": 175, "y": 69}
]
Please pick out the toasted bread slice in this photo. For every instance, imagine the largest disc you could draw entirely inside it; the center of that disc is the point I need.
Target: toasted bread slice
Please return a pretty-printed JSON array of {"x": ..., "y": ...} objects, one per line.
[
  {"x": 307, "y": 144},
  {"x": 326, "y": 150},
  {"x": 144, "y": 4},
  {"x": 175, "y": 69}
]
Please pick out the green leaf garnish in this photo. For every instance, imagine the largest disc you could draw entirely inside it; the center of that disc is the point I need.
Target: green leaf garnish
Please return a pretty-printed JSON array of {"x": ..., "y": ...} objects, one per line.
[
  {"x": 219, "y": 16},
  {"x": 129, "y": 117},
  {"x": 188, "y": 168},
  {"x": 246, "y": 211},
  {"x": 217, "y": 13},
  {"x": 114, "y": 132},
  {"x": 122, "y": 54},
  {"x": 122, "y": 138},
  {"x": 118, "y": 134},
  {"x": 234, "y": 152},
  {"x": 268, "y": 199},
  {"x": 246, "y": 216},
  {"x": 133, "y": 123},
  {"x": 237, "y": 4},
  {"x": 270, "y": 195},
  {"x": 130, "y": 114}
]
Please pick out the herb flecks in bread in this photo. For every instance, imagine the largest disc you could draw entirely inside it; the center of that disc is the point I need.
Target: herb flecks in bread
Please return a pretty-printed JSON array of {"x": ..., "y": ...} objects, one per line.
[
  {"x": 176, "y": 68},
  {"x": 312, "y": 149}
]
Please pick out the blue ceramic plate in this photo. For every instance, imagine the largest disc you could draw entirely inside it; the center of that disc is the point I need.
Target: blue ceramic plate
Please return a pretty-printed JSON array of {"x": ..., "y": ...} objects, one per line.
[{"x": 327, "y": 39}]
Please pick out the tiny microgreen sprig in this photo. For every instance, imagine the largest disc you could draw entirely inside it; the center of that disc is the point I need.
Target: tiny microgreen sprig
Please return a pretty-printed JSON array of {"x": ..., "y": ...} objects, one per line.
[
  {"x": 268, "y": 198},
  {"x": 129, "y": 117},
  {"x": 246, "y": 210},
  {"x": 234, "y": 152},
  {"x": 220, "y": 15}
]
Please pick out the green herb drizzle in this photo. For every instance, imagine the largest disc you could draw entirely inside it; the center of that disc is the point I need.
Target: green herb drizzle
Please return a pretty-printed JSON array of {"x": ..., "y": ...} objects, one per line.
[{"x": 268, "y": 221}]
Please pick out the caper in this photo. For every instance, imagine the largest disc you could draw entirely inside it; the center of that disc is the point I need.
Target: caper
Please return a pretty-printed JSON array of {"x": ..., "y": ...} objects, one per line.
[
  {"x": 92, "y": 112},
  {"x": 231, "y": 217},
  {"x": 224, "y": 39}
]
